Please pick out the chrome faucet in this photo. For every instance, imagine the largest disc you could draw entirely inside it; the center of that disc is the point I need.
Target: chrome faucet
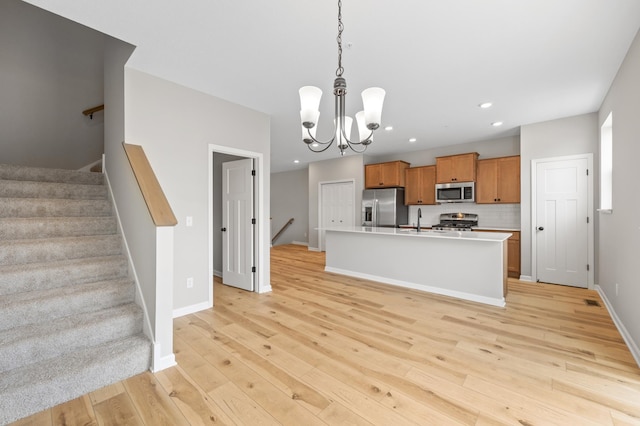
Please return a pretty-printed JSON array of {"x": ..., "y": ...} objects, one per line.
[{"x": 419, "y": 216}]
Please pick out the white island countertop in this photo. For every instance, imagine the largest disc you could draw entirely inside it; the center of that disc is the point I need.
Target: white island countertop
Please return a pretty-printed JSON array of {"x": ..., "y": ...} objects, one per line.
[
  {"x": 463, "y": 264},
  {"x": 426, "y": 233}
]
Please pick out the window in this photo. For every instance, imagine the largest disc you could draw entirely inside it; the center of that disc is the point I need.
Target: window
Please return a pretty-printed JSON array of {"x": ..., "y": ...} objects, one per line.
[{"x": 606, "y": 165}]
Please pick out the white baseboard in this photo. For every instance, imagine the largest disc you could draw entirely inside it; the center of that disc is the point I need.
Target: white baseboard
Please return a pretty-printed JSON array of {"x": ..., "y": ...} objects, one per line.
[
  {"x": 526, "y": 278},
  {"x": 217, "y": 273},
  {"x": 180, "y": 312},
  {"x": 300, "y": 243},
  {"x": 633, "y": 347},
  {"x": 88, "y": 167},
  {"x": 160, "y": 362},
  {"x": 314, "y": 249}
]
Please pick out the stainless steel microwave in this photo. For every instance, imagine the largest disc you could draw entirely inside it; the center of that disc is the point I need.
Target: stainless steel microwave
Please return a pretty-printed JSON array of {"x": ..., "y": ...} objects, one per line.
[{"x": 456, "y": 192}]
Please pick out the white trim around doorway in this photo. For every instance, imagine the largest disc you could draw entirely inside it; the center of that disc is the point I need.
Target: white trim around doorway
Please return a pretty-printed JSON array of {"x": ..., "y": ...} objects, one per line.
[{"x": 590, "y": 227}]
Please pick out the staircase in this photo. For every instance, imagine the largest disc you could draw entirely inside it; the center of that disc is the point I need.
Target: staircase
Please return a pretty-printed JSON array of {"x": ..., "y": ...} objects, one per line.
[{"x": 68, "y": 321}]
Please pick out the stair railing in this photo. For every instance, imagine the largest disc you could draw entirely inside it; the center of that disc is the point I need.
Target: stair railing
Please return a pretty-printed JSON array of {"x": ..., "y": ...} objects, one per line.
[
  {"x": 152, "y": 193},
  {"x": 93, "y": 110},
  {"x": 286, "y": 225}
]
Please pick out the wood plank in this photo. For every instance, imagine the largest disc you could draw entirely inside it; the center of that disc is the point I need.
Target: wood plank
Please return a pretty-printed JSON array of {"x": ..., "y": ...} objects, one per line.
[
  {"x": 106, "y": 392},
  {"x": 153, "y": 404},
  {"x": 117, "y": 410},
  {"x": 78, "y": 411},
  {"x": 152, "y": 193},
  {"x": 193, "y": 402}
]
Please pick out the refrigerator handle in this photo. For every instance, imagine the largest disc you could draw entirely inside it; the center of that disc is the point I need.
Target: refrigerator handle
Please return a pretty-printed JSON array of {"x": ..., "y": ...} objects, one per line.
[{"x": 374, "y": 219}]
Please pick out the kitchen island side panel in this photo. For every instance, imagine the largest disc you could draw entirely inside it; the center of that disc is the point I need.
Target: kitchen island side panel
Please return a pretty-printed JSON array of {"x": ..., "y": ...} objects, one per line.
[{"x": 468, "y": 269}]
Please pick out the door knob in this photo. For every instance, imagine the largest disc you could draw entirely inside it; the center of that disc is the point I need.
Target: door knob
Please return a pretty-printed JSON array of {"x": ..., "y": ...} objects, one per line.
[
  {"x": 224, "y": 229},
  {"x": 540, "y": 228}
]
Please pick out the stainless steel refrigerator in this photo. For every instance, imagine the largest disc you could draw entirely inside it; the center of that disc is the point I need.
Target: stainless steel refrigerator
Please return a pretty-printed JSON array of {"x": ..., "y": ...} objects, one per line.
[{"x": 384, "y": 207}]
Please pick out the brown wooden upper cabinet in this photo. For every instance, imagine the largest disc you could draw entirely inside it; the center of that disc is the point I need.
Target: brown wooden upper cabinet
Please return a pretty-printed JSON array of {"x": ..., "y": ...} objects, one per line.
[
  {"x": 385, "y": 175},
  {"x": 456, "y": 168},
  {"x": 498, "y": 180},
  {"x": 420, "y": 185}
]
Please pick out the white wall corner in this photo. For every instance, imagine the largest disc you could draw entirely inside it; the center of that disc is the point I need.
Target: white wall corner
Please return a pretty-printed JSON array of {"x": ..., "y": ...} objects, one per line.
[
  {"x": 631, "y": 344},
  {"x": 161, "y": 362},
  {"x": 164, "y": 294}
]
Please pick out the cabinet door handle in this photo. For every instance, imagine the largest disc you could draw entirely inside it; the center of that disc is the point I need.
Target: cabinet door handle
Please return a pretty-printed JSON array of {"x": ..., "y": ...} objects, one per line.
[{"x": 540, "y": 228}]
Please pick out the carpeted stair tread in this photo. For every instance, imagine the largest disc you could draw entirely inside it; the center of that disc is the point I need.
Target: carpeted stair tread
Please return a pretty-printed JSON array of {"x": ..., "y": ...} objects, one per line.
[
  {"x": 57, "y": 207},
  {"x": 46, "y": 275},
  {"x": 15, "y": 252},
  {"x": 43, "y": 385},
  {"x": 28, "y": 189},
  {"x": 14, "y": 172},
  {"x": 20, "y": 309},
  {"x": 69, "y": 323},
  {"x": 37, "y": 342},
  {"x": 51, "y": 227}
]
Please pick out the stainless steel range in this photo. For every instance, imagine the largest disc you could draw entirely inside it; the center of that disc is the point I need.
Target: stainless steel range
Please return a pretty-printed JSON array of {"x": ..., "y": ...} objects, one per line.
[{"x": 457, "y": 222}]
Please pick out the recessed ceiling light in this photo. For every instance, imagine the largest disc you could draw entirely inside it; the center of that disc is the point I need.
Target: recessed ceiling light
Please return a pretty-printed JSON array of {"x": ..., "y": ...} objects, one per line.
[
  {"x": 485, "y": 105},
  {"x": 388, "y": 128},
  {"x": 497, "y": 123},
  {"x": 412, "y": 140},
  {"x": 296, "y": 161}
]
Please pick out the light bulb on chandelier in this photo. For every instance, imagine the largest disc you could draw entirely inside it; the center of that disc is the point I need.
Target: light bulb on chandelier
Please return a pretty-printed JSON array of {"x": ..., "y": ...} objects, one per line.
[{"x": 368, "y": 120}]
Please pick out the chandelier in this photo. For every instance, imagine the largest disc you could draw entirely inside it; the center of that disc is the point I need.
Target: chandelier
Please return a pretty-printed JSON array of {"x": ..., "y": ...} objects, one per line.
[{"x": 368, "y": 120}]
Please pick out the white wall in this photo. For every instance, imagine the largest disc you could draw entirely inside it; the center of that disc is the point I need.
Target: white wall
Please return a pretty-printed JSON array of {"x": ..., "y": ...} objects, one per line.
[
  {"x": 342, "y": 168},
  {"x": 619, "y": 233},
  {"x": 501, "y": 147},
  {"x": 51, "y": 69},
  {"x": 290, "y": 199},
  {"x": 556, "y": 138},
  {"x": 175, "y": 125}
]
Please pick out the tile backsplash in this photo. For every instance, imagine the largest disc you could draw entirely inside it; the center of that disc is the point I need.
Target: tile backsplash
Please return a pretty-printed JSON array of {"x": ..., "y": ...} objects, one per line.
[{"x": 489, "y": 215}]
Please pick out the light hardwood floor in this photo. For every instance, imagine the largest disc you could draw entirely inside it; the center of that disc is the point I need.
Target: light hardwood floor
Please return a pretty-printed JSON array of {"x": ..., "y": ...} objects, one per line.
[{"x": 327, "y": 349}]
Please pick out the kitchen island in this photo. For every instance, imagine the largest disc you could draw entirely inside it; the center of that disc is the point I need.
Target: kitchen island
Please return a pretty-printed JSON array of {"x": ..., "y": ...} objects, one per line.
[{"x": 466, "y": 265}]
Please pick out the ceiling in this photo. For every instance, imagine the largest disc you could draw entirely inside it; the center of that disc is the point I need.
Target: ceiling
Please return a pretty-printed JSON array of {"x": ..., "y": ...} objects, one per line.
[{"x": 535, "y": 60}]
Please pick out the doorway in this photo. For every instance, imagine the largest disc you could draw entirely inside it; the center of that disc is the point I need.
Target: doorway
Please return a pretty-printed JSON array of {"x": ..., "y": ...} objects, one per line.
[
  {"x": 260, "y": 248},
  {"x": 562, "y": 223},
  {"x": 336, "y": 207}
]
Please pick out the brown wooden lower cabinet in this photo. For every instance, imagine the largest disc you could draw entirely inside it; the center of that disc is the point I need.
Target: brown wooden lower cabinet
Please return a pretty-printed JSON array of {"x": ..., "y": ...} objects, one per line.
[{"x": 513, "y": 252}]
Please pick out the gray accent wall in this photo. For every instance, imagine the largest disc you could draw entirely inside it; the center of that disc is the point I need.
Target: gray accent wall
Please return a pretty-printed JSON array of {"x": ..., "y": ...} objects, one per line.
[
  {"x": 290, "y": 199},
  {"x": 619, "y": 232},
  {"x": 51, "y": 69}
]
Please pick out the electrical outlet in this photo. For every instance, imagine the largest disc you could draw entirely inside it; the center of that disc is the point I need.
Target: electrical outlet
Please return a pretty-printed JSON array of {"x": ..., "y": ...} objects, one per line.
[
  {"x": 616, "y": 289},
  {"x": 190, "y": 282},
  {"x": 189, "y": 221}
]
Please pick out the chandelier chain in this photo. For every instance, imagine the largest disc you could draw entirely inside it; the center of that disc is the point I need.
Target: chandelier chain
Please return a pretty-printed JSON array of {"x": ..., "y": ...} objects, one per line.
[{"x": 340, "y": 69}]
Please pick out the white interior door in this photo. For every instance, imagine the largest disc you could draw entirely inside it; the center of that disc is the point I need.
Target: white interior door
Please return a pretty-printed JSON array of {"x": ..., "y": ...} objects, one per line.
[
  {"x": 561, "y": 222},
  {"x": 337, "y": 206},
  {"x": 237, "y": 227}
]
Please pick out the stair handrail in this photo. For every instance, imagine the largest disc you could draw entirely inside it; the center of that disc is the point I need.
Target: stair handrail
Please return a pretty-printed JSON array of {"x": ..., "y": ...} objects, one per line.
[
  {"x": 154, "y": 197},
  {"x": 93, "y": 110},
  {"x": 286, "y": 225}
]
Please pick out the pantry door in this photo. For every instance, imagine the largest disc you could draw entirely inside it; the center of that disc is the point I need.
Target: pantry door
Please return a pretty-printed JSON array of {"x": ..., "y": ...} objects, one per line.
[
  {"x": 562, "y": 222},
  {"x": 337, "y": 207}
]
